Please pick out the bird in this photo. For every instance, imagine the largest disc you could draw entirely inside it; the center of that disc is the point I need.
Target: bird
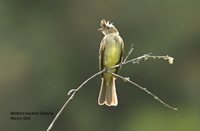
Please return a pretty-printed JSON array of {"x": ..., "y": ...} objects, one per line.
[{"x": 110, "y": 54}]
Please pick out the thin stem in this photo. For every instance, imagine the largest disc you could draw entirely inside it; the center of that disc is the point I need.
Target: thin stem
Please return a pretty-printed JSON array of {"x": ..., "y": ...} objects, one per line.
[
  {"x": 129, "y": 53},
  {"x": 138, "y": 59},
  {"x": 126, "y": 79},
  {"x": 144, "y": 57},
  {"x": 72, "y": 92}
]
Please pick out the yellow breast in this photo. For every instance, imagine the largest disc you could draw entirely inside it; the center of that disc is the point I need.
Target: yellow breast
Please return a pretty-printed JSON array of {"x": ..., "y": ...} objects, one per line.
[{"x": 112, "y": 54}]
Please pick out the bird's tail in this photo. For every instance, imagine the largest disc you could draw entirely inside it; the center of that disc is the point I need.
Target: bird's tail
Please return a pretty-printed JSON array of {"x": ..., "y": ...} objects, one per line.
[{"x": 108, "y": 93}]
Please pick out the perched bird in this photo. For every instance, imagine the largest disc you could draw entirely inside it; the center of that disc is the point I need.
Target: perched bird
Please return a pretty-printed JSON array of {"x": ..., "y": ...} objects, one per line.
[{"x": 110, "y": 54}]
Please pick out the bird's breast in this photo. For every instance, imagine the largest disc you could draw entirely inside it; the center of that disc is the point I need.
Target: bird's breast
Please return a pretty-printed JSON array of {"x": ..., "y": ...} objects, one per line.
[{"x": 112, "y": 54}]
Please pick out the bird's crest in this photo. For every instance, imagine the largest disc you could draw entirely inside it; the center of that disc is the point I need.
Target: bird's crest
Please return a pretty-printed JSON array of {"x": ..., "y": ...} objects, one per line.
[{"x": 105, "y": 23}]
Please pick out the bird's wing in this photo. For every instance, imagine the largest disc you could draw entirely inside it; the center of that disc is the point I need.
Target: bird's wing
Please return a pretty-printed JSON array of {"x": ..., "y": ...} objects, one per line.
[
  {"x": 101, "y": 52},
  {"x": 122, "y": 54},
  {"x": 119, "y": 40}
]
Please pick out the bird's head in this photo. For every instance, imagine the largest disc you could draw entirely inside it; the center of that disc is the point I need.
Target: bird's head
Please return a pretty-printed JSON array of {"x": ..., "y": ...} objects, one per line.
[{"x": 107, "y": 28}]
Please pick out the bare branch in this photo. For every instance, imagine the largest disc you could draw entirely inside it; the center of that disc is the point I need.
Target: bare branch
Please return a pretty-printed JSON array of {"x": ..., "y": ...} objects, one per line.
[
  {"x": 147, "y": 56},
  {"x": 129, "y": 53},
  {"x": 144, "y": 57},
  {"x": 126, "y": 79},
  {"x": 138, "y": 59},
  {"x": 72, "y": 92}
]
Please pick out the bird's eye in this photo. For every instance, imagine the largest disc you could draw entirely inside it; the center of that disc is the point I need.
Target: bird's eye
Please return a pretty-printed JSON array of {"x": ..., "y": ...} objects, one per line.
[{"x": 108, "y": 27}]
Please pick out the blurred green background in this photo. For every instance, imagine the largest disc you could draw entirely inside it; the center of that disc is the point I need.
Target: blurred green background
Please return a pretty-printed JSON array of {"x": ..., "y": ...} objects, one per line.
[{"x": 48, "y": 47}]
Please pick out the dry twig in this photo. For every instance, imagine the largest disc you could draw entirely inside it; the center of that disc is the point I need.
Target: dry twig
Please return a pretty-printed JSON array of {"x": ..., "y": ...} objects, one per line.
[
  {"x": 72, "y": 92},
  {"x": 127, "y": 79}
]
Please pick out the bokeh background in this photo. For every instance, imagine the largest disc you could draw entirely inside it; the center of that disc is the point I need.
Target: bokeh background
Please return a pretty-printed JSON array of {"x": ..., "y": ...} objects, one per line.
[{"x": 48, "y": 47}]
